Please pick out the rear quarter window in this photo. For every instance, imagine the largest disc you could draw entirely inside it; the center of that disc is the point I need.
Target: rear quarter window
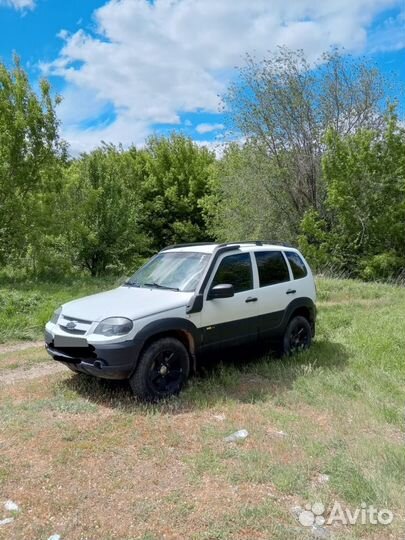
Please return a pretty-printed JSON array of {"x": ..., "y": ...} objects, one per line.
[{"x": 298, "y": 267}]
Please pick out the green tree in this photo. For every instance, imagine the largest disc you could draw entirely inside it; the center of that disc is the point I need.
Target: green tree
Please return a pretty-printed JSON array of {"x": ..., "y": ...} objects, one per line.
[
  {"x": 283, "y": 106},
  {"x": 102, "y": 209},
  {"x": 363, "y": 230},
  {"x": 240, "y": 203},
  {"x": 31, "y": 159},
  {"x": 177, "y": 177}
]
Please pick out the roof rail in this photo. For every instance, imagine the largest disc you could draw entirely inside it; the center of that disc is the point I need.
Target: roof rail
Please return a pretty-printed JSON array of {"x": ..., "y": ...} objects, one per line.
[
  {"x": 224, "y": 244},
  {"x": 256, "y": 242},
  {"x": 191, "y": 244},
  {"x": 261, "y": 243}
]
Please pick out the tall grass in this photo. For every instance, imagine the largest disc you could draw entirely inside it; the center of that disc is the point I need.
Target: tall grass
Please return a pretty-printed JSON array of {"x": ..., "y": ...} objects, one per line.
[{"x": 26, "y": 303}]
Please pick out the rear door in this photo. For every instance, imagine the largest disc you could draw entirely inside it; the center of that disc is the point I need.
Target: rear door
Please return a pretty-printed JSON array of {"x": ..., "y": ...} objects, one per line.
[
  {"x": 228, "y": 321},
  {"x": 275, "y": 291}
]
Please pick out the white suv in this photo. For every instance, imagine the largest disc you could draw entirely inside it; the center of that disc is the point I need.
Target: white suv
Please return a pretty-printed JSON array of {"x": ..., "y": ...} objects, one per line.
[{"x": 187, "y": 299}]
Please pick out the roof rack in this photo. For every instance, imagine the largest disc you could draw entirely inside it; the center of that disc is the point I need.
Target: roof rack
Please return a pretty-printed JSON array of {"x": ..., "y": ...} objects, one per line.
[
  {"x": 224, "y": 244},
  {"x": 256, "y": 242},
  {"x": 261, "y": 243},
  {"x": 235, "y": 244},
  {"x": 191, "y": 244}
]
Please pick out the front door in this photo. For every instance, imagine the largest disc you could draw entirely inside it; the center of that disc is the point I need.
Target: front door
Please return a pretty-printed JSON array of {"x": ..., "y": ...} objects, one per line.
[{"x": 229, "y": 321}]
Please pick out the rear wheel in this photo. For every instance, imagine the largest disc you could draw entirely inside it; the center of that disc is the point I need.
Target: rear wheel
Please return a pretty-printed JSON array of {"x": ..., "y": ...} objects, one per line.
[
  {"x": 297, "y": 337},
  {"x": 162, "y": 370}
]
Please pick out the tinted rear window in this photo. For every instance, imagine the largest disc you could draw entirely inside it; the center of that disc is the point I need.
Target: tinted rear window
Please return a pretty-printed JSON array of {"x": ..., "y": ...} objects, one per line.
[
  {"x": 272, "y": 268},
  {"x": 235, "y": 270},
  {"x": 298, "y": 267}
]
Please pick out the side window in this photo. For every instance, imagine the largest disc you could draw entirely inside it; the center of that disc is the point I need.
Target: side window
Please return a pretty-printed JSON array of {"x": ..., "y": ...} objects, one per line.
[
  {"x": 272, "y": 268},
  {"x": 298, "y": 267},
  {"x": 235, "y": 270}
]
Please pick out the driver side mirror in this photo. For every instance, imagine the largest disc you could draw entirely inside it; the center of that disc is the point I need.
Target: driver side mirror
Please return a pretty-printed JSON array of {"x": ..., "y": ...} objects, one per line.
[{"x": 224, "y": 290}]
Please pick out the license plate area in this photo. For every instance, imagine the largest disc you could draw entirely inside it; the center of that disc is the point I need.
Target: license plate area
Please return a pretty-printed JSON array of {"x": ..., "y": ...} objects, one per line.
[{"x": 66, "y": 342}]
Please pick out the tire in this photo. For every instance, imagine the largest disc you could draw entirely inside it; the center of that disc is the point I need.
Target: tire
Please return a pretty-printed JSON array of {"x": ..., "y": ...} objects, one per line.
[
  {"x": 297, "y": 337},
  {"x": 163, "y": 368}
]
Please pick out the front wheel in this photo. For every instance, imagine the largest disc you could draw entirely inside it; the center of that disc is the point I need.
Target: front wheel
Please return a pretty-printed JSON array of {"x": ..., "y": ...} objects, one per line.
[
  {"x": 297, "y": 337},
  {"x": 163, "y": 368}
]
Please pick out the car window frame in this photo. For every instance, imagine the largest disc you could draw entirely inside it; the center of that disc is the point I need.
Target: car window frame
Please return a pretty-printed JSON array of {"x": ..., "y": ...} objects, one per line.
[
  {"x": 219, "y": 261},
  {"x": 289, "y": 271}
]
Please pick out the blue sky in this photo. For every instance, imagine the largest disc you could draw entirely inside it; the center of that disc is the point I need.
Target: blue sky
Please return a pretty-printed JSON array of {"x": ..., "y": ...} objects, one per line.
[{"x": 129, "y": 68}]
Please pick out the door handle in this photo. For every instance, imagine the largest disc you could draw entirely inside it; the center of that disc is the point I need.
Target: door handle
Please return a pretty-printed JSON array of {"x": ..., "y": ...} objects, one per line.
[
  {"x": 291, "y": 291},
  {"x": 251, "y": 299}
]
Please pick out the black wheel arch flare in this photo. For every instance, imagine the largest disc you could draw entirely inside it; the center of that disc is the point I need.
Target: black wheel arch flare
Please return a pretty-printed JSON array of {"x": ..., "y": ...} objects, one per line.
[
  {"x": 183, "y": 329},
  {"x": 300, "y": 306}
]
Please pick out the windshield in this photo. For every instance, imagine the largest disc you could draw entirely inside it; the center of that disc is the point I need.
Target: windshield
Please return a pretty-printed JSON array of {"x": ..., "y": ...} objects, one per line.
[{"x": 179, "y": 271}]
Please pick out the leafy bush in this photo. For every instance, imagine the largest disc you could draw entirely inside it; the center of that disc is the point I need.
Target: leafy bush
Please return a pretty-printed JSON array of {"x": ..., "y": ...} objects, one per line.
[{"x": 387, "y": 266}]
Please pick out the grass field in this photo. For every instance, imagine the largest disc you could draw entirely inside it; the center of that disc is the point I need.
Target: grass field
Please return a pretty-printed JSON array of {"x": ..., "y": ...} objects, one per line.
[
  {"x": 84, "y": 460},
  {"x": 27, "y": 304}
]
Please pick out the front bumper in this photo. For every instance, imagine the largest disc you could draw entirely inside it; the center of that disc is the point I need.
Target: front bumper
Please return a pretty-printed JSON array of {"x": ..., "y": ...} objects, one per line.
[{"x": 109, "y": 361}]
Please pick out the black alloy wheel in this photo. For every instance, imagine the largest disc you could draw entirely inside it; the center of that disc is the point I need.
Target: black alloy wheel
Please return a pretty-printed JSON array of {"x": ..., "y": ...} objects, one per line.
[
  {"x": 298, "y": 336},
  {"x": 162, "y": 370},
  {"x": 166, "y": 374}
]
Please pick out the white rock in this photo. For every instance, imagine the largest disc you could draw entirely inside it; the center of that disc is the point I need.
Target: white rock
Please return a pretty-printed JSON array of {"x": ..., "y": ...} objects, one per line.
[
  {"x": 6, "y": 521},
  {"x": 11, "y": 506},
  {"x": 237, "y": 436},
  {"x": 323, "y": 478},
  {"x": 54, "y": 537},
  {"x": 274, "y": 433}
]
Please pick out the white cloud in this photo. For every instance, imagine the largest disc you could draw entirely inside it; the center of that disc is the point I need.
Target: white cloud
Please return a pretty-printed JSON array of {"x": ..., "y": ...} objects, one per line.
[
  {"x": 207, "y": 128},
  {"x": 213, "y": 146},
  {"x": 153, "y": 61},
  {"x": 389, "y": 35},
  {"x": 125, "y": 130},
  {"x": 18, "y": 4},
  {"x": 63, "y": 34}
]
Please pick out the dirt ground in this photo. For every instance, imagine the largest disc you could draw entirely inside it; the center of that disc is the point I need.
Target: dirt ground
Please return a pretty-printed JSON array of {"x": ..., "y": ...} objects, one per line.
[{"x": 84, "y": 460}]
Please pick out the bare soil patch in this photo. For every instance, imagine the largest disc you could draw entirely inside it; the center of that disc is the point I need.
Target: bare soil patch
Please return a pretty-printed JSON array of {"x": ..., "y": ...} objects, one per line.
[
  {"x": 11, "y": 376},
  {"x": 20, "y": 346}
]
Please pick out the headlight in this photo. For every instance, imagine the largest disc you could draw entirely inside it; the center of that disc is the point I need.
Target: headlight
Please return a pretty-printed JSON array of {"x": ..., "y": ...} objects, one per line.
[
  {"x": 114, "y": 326},
  {"x": 55, "y": 316}
]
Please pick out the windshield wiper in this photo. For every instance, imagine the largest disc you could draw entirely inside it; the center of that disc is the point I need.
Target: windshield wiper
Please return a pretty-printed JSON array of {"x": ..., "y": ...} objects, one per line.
[
  {"x": 132, "y": 283},
  {"x": 159, "y": 286}
]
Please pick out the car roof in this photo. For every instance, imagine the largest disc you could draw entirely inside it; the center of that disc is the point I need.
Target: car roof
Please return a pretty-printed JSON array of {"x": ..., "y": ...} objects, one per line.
[{"x": 244, "y": 247}]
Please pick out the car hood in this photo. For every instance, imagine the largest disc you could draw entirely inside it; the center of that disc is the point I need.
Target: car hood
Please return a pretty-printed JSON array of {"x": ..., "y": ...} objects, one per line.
[{"x": 130, "y": 302}]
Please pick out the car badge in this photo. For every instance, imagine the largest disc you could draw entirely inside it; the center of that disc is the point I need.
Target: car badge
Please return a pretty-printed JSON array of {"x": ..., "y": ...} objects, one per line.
[{"x": 70, "y": 325}]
